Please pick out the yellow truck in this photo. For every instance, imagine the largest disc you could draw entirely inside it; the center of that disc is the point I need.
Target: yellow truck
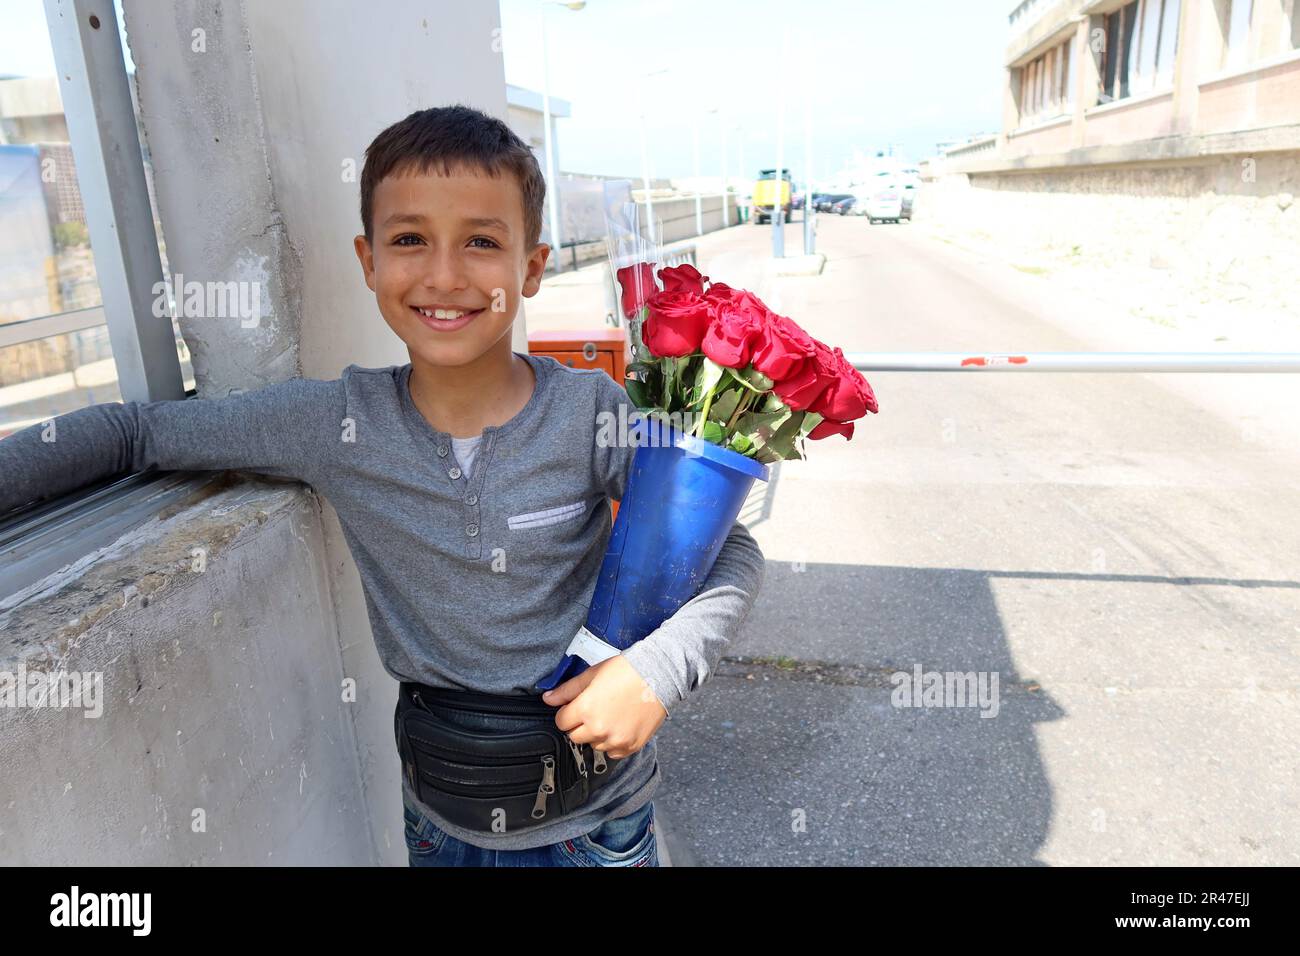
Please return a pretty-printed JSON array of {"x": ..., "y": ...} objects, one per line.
[{"x": 765, "y": 195}]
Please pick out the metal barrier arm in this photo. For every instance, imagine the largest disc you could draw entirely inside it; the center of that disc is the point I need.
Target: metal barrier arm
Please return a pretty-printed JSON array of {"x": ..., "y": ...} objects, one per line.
[{"x": 1076, "y": 362}]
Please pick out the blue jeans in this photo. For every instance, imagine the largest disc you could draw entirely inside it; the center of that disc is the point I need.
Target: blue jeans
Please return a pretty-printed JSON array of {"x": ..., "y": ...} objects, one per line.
[{"x": 626, "y": 841}]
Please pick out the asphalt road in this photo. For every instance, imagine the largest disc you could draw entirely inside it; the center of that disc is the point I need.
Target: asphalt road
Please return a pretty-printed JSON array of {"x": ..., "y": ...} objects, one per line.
[{"x": 1123, "y": 560}]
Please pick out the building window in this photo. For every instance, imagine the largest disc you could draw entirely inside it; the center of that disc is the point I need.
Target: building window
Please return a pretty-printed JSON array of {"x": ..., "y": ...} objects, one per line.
[
  {"x": 1141, "y": 41},
  {"x": 1236, "y": 46},
  {"x": 1047, "y": 85},
  {"x": 1255, "y": 31}
]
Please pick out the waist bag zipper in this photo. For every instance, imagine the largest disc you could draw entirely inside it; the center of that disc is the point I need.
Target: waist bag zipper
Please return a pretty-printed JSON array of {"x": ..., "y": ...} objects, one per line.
[
  {"x": 577, "y": 756},
  {"x": 548, "y": 786}
]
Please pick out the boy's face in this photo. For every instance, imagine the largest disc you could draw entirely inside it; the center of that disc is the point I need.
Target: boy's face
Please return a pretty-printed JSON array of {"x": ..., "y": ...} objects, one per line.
[{"x": 450, "y": 242}]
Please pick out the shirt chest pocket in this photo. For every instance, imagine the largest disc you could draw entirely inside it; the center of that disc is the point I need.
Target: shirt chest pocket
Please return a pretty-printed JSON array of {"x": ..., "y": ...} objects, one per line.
[{"x": 570, "y": 514}]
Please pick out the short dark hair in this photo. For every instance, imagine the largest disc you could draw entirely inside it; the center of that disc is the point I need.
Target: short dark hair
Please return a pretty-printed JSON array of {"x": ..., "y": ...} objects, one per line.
[{"x": 450, "y": 137}]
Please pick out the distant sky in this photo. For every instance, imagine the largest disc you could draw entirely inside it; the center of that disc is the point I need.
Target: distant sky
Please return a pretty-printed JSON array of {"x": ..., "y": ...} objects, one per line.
[{"x": 906, "y": 72}]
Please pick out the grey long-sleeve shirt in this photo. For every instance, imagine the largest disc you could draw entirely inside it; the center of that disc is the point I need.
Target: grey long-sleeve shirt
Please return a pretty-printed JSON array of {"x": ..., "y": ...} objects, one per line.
[{"x": 475, "y": 582}]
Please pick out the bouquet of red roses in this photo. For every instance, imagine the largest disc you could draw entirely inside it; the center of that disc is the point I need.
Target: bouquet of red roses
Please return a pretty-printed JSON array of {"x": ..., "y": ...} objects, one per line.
[
  {"x": 724, "y": 386},
  {"x": 746, "y": 378}
]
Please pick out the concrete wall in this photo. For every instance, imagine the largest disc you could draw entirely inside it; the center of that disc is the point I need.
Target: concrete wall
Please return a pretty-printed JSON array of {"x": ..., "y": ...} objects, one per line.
[
  {"x": 223, "y": 737},
  {"x": 1218, "y": 223},
  {"x": 256, "y": 116}
]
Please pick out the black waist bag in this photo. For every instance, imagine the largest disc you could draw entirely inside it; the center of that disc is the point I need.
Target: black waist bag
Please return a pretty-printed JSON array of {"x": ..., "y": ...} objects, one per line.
[{"x": 489, "y": 780}]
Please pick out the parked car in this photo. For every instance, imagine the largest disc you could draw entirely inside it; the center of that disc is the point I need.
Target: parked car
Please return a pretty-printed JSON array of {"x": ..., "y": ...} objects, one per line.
[
  {"x": 885, "y": 200},
  {"x": 842, "y": 206},
  {"x": 823, "y": 202}
]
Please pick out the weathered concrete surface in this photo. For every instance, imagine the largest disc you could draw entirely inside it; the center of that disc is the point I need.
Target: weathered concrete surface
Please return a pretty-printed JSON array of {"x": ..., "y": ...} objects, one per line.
[
  {"x": 224, "y": 737},
  {"x": 1205, "y": 240}
]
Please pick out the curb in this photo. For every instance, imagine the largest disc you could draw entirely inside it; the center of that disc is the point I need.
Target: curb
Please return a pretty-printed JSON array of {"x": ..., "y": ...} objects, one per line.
[{"x": 672, "y": 851}]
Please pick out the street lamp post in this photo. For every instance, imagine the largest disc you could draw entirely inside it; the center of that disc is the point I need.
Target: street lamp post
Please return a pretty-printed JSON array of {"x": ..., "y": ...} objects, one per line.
[
  {"x": 778, "y": 216},
  {"x": 552, "y": 187},
  {"x": 740, "y": 145},
  {"x": 809, "y": 236}
]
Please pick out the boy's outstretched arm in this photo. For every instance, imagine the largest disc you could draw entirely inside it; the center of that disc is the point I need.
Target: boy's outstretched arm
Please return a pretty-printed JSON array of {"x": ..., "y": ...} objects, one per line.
[{"x": 284, "y": 429}]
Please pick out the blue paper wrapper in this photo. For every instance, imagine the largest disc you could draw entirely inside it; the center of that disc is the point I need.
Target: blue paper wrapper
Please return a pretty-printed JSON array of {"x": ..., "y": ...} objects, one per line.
[{"x": 682, "y": 497}]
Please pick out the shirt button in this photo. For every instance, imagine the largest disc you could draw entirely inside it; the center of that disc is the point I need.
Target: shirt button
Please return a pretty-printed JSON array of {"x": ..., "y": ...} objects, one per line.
[
  {"x": 454, "y": 473},
  {"x": 472, "y": 499},
  {"x": 471, "y": 530},
  {"x": 442, "y": 451}
]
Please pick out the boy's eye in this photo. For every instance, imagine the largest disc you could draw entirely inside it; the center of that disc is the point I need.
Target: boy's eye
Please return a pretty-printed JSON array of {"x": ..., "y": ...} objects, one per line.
[{"x": 401, "y": 241}]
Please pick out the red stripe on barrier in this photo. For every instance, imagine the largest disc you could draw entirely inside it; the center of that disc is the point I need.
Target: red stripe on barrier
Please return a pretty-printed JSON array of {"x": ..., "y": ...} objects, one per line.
[{"x": 984, "y": 361}]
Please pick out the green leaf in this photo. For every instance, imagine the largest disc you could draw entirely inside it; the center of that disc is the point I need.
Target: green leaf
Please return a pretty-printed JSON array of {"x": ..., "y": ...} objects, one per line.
[
  {"x": 741, "y": 443},
  {"x": 712, "y": 432},
  {"x": 752, "y": 379},
  {"x": 724, "y": 405},
  {"x": 773, "y": 403},
  {"x": 707, "y": 376},
  {"x": 761, "y": 426},
  {"x": 783, "y": 439},
  {"x": 639, "y": 392}
]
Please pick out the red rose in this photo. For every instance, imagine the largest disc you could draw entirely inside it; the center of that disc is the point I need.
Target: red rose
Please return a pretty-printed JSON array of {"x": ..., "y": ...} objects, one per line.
[
  {"x": 826, "y": 427},
  {"x": 848, "y": 396},
  {"x": 720, "y": 292},
  {"x": 736, "y": 328},
  {"x": 783, "y": 348},
  {"x": 805, "y": 384},
  {"x": 683, "y": 278},
  {"x": 675, "y": 323},
  {"x": 638, "y": 284}
]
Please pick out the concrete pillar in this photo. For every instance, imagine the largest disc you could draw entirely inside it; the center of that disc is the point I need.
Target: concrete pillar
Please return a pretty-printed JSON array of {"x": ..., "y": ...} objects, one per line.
[{"x": 1086, "y": 80}]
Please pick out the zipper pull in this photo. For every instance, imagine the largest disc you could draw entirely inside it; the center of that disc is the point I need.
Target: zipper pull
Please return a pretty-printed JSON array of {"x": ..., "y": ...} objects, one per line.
[
  {"x": 598, "y": 764},
  {"x": 548, "y": 786},
  {"x": 577, "y": 755}
]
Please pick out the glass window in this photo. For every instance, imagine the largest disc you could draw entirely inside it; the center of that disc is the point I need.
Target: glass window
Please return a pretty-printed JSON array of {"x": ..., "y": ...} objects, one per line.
[
  {"x": 1148, "y": 37},
  {"x": 1168, "y": 42},
  {"x": 47, "y": 265},
  {"x": 1236, "y": 46},
  {"x": 51, "y": 376}
]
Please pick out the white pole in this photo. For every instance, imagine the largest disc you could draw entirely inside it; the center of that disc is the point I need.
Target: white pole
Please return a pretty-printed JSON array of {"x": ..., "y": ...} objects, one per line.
[
  {"x": 1075, "y": 362},
  {"x": 807, "y": 181},
  {"x": 778, "y": 220},
  {"x": 725, "y": 219},
  {"x": 695, "y": 142},
  {"x": 741, "y": 147},
  {"x": 552, "y": 187}
]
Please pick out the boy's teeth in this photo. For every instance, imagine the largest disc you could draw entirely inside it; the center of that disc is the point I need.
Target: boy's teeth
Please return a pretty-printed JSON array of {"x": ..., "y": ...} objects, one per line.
[{"x": 442, "y": 313}]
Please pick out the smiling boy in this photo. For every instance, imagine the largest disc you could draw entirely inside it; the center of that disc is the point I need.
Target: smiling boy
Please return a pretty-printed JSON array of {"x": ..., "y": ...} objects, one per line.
[{"x": 471, "y": 490}]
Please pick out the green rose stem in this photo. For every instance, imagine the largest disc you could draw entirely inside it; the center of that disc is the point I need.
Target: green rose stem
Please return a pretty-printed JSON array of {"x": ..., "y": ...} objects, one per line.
[
  {"x": 704, "y": 415},
  {"x": 740, "y": 407}
]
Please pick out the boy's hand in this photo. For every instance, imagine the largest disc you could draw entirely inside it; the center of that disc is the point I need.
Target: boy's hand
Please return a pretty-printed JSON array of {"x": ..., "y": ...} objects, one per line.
[{"x": 608, "y": 706}]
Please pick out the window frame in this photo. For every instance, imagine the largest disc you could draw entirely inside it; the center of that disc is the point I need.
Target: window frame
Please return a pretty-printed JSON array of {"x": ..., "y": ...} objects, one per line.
[{"x": 97, "y": 107}]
